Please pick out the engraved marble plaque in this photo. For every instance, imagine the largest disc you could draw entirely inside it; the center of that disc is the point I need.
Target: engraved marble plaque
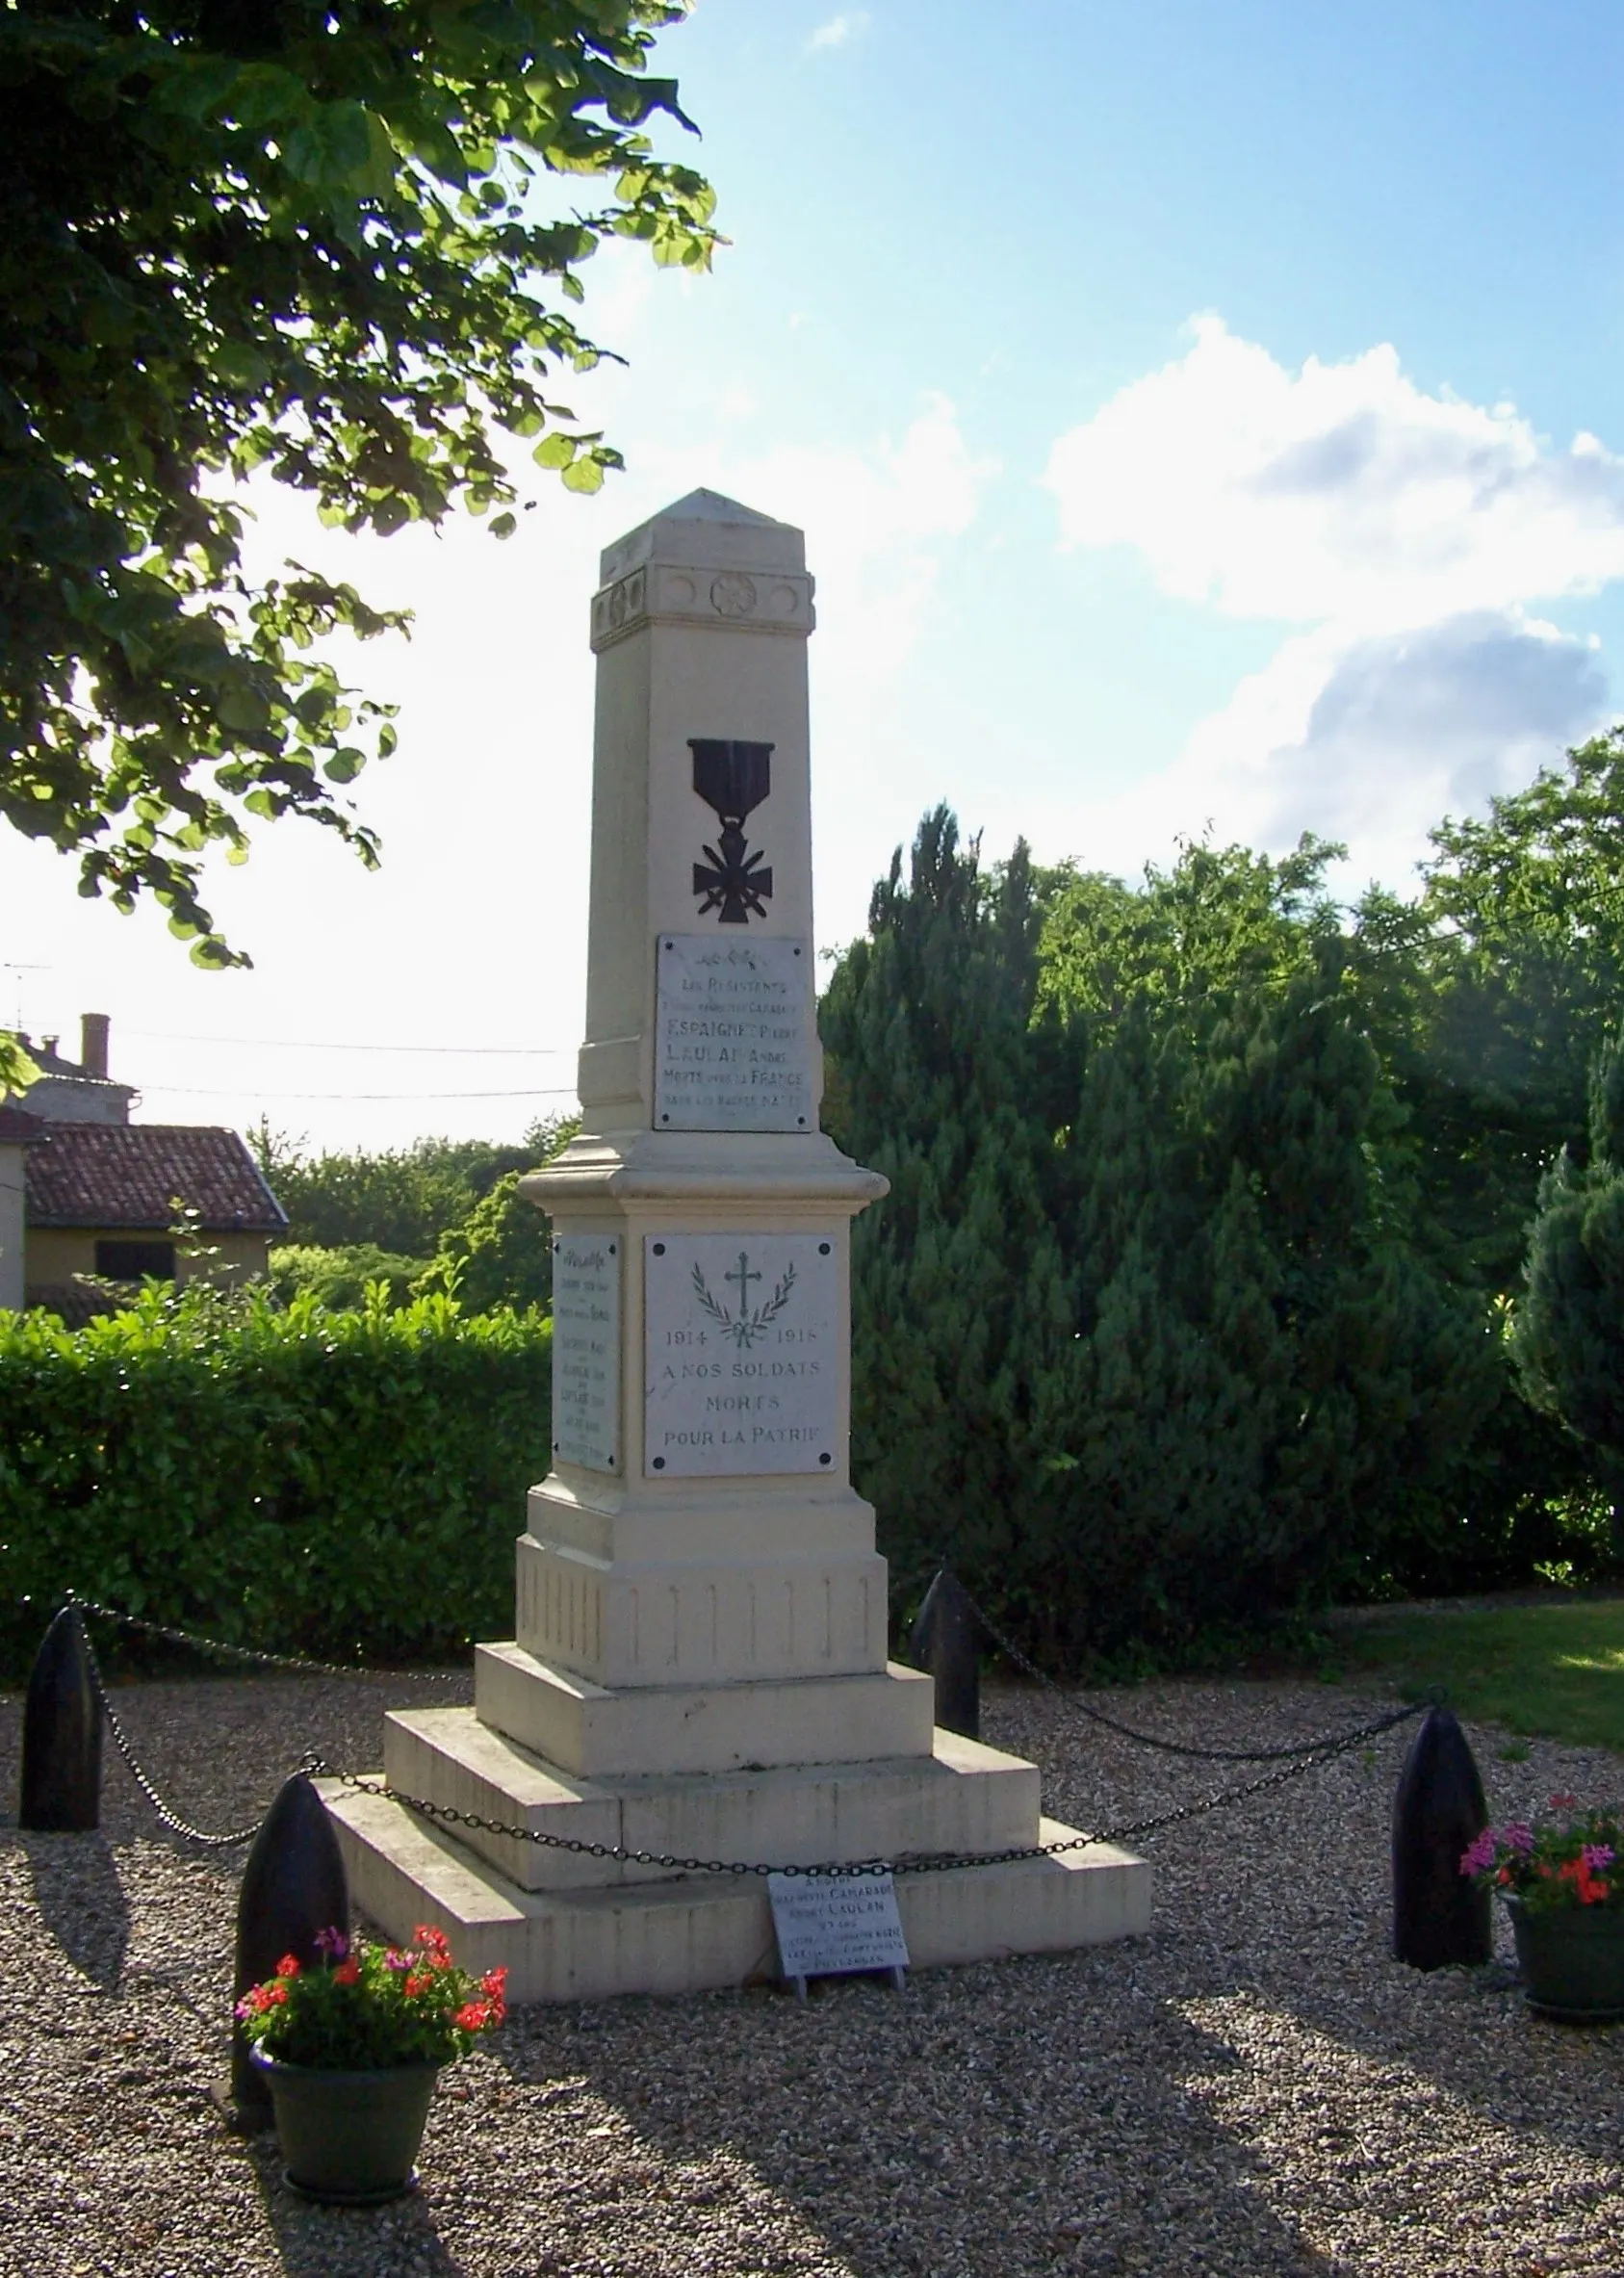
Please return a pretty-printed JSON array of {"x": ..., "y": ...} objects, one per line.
[
  {"x": 826, "y": 1928},
  {"x": 734, "y": 1035},
  {"x": 740, "y": 1368},
  {"x": 586, "y": 1350}
]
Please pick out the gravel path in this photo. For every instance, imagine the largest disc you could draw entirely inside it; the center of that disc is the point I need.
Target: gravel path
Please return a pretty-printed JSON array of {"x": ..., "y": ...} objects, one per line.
[{"x": 1255, "y": 2088}]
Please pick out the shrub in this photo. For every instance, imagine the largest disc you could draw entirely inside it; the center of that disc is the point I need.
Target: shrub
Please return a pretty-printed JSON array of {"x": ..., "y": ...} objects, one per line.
[
  {"x": 302, "y": 1480},
  {"x": 340, "y": 1278},
  {"x": 500, "y": 1255}
]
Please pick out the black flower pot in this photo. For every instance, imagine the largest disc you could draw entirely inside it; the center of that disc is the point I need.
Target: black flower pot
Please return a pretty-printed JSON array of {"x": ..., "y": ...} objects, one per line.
[{"x": 350, "y": 2137}]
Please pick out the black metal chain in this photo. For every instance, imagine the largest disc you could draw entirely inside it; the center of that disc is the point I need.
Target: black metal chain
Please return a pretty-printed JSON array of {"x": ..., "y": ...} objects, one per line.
[
  {"x": 1334, "y": 1741},
  {"x": 907, "y": 1863},
  {"x": 1308, "y": 1757},
  {"x": 166, "y": 1815},
  {"x": 297, "y": 1662}
]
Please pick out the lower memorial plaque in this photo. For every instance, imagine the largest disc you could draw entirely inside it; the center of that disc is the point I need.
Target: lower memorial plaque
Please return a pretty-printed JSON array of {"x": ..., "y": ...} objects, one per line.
[
  {"x": 835, "y": 1925},
  {"x": 586, "y": 1350},
  {"x": 740, "y": 1365}
]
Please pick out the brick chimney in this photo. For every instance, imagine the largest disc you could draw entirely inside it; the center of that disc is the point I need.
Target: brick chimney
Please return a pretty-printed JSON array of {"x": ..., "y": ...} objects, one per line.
[{"x": 92, "y": 1043}]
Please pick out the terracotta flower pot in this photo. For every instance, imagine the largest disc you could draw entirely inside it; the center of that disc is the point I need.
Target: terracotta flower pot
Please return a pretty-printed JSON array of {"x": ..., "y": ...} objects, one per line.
[
  {"x": 1572, "y": 1960},
  {"x": 350, "y": 2137}
]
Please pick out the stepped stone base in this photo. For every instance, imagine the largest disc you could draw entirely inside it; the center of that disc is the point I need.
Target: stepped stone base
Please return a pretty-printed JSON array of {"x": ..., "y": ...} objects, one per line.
[
  {"x": 696, "y": 1933},
  {"x": 569, "y": 1926},
  {"x": 596, "y": 1729},
  {"x": 962, "y": 1797}
]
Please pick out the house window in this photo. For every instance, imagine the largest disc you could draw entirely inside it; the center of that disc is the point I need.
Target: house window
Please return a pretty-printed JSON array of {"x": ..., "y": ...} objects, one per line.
[{"x": 135, "y": 1261}]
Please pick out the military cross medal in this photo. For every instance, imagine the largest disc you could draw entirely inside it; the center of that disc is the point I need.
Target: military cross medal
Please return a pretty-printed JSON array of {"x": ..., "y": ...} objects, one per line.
[{"x": 733, "y": 779}]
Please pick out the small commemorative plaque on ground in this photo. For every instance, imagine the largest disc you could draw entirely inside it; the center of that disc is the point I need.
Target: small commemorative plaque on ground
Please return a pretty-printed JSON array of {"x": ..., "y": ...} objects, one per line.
[
  {"x": 835, "y": 1926},
  {"x": 586, "y": 1350},
  {"x": 741, "y": 1369},
  {"x": 734, "y": 1035}
]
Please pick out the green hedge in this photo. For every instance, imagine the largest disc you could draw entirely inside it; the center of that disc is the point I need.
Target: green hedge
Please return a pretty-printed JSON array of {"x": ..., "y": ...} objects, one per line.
[{"x": 347, "y": 1484}]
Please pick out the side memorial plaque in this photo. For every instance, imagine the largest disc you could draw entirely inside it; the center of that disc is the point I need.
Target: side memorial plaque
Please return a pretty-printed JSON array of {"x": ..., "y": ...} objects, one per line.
[
  {"x": 586, "y": 1350},
  {"x": 828, "y": 1925},
  {"x": 736, "y": 1037},
  {"x": 740, "y": 1368}
]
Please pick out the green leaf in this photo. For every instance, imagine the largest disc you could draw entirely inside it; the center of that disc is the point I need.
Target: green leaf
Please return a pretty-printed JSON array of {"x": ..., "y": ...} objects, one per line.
[
  {"x": 585, "y": 475},
  {"x": 333, "y": 149},
  {"x": 241, "y": 363}
]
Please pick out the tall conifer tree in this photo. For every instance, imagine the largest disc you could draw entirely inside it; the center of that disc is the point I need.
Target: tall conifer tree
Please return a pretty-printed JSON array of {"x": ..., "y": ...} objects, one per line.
[{"x": 1137, "y": 1342}]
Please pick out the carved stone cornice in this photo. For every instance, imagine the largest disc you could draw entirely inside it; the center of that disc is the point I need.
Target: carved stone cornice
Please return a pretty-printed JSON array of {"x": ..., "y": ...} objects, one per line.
[{"x": 673, "y": 593}]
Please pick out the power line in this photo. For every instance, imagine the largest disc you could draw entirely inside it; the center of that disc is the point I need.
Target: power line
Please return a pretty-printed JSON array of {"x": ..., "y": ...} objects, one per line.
[
  {"x": 182, "y": 1090},
  {"x": 288, "y": 1043}
]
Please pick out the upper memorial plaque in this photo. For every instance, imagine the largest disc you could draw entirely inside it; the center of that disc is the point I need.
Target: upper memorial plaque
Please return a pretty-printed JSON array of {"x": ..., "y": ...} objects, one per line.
[{"x": 735, "y": 1041}]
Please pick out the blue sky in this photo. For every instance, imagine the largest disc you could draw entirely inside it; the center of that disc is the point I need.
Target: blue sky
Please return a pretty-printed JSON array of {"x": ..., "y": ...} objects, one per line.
[{"x": 1181, "y": 405}]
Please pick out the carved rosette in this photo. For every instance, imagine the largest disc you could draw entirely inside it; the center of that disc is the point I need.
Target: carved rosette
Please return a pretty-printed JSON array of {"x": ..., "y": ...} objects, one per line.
[{"x": 737, "y": 601}]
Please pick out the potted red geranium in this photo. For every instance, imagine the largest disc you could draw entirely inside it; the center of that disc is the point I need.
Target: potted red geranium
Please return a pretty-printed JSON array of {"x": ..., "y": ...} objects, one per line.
[
  {"x": 1563, "y": 1881},
  {"x": 351, "y": 2051}
]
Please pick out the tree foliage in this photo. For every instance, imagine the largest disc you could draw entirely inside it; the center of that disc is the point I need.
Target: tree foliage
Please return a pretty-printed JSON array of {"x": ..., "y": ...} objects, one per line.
[
  {"x": 502, "y": 1252},
  {"x": 1510, "y": 973},
  {"x": 1144, "y": 1337},
  {"x": 1569, "y": 1330},
  {"x": 402, "y": 1200},
  {"x": 308, "y": 239}
]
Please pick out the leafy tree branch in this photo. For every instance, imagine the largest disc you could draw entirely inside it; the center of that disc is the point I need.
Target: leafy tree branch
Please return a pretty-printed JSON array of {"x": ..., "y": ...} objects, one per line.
[{"x": 304, "y": 240}]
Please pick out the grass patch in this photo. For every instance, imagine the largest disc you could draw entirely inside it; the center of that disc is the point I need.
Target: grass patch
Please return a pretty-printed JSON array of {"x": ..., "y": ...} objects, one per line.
[{"x": 1554, "y": 1671}]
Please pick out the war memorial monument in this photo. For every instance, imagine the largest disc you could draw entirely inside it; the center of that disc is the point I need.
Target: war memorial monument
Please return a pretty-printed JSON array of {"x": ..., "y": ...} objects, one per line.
[{"x": 700, "y": 1660}]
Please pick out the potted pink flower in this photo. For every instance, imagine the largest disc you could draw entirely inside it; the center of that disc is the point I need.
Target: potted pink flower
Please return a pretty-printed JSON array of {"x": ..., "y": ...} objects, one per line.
[
  {"x": 1563, "y": 1881},
  {"x": 351, "y": 2051}
]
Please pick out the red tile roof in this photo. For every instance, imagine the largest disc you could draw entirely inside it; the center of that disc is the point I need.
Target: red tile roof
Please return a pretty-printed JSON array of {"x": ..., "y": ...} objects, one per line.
[
  {"x": 132, "y": 1175},
  {"x": 73, "y": 1302}
]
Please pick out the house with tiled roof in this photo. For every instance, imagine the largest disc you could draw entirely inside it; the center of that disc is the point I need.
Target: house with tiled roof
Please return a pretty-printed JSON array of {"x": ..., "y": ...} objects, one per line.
[{"x": 85, "y": 1191}]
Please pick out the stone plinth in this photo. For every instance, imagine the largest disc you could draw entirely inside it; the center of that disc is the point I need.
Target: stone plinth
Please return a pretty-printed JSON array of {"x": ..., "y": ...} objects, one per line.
[
  {"x": 699, "y": 1667},
  {"x": 692, "y": 1935}
]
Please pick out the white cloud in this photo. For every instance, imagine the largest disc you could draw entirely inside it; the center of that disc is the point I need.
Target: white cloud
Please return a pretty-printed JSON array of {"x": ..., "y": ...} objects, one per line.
[
  {"x": 1372, "y": 740},
  {"x": 1341, "y": 492},
  {"x": 1409, "y": 532},
  {"x": 839, "y": 29}
]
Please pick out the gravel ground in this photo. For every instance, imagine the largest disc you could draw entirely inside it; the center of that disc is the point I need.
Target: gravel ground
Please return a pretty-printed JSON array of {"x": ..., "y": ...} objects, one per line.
[{"x": 1255, "y": 2088}]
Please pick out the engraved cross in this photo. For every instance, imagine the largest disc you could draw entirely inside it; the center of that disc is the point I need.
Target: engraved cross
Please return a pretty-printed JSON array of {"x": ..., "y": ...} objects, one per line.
[{"x": 745, "y": 1277}]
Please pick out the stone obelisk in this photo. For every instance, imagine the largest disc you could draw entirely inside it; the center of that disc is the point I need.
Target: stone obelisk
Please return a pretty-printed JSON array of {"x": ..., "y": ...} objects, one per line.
[{"x": 699, "y": 1667}]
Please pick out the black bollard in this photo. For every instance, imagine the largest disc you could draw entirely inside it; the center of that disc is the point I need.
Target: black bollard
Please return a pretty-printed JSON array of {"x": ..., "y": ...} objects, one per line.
[
  {"x": 292, "y": 1886},
  {"x": 946, "y": 1640},
  {"x": 61, "y": 1791},
  {"x": 1439, "y": 1915}
]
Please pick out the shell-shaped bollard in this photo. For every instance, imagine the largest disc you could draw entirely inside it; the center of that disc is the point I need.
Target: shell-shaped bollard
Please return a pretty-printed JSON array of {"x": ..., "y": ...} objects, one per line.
[
  {"x": 60, "y": 1785},
  {"x": 292, "y": 1886},
  {"x": 1439, "y": 1916},
  {"x": 946, "y": 1640}
]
